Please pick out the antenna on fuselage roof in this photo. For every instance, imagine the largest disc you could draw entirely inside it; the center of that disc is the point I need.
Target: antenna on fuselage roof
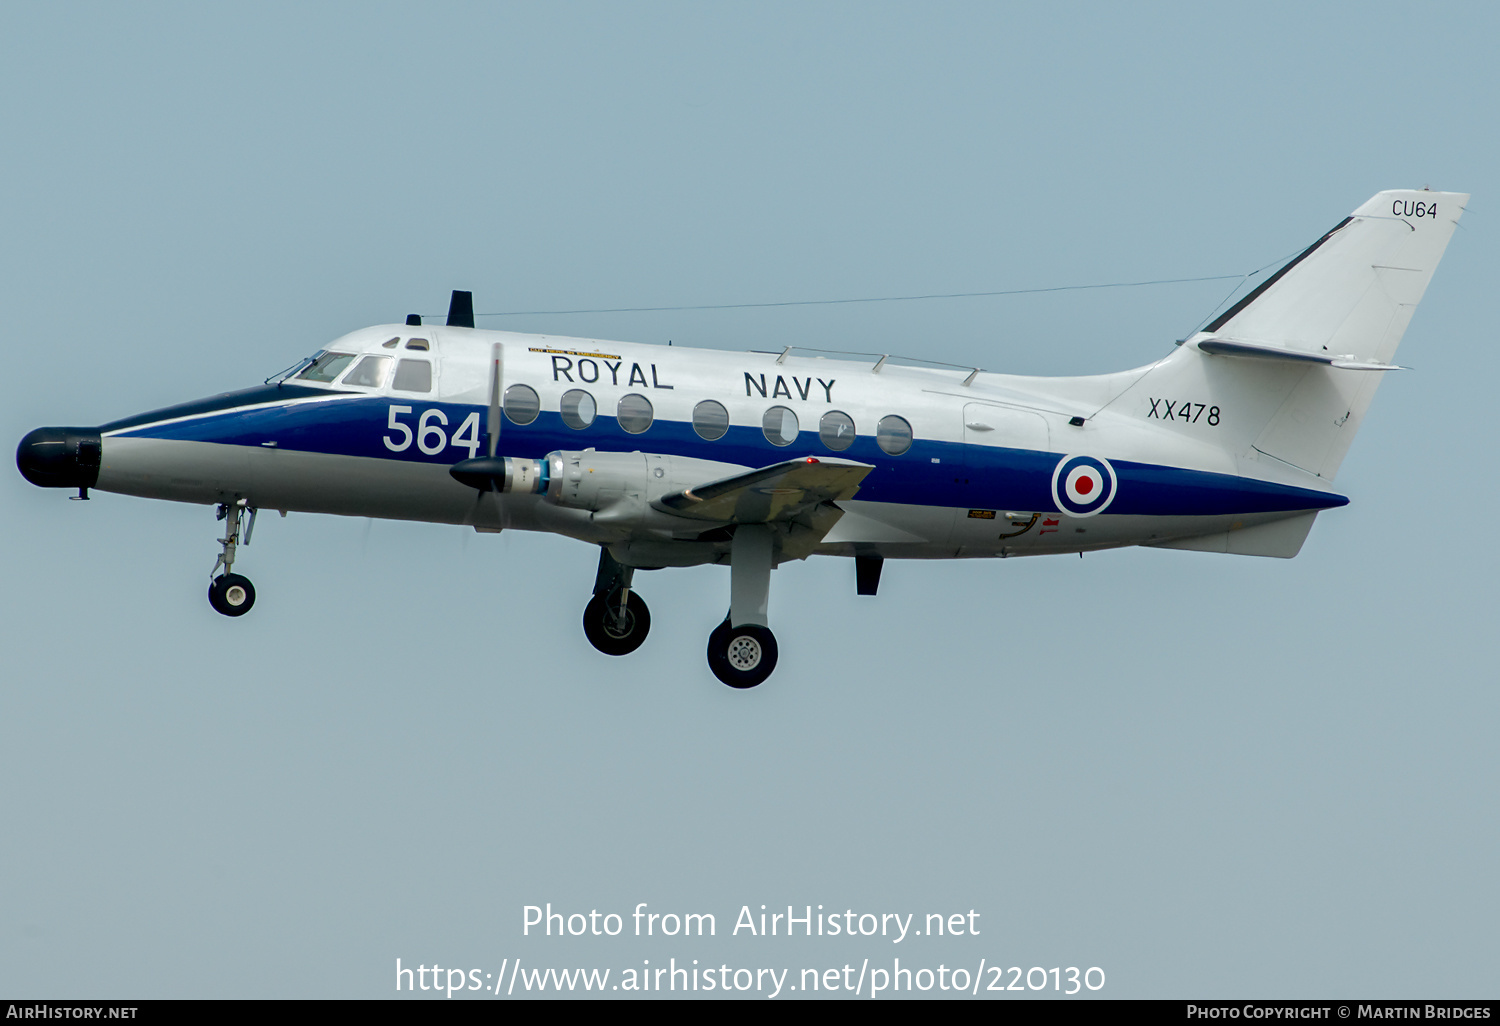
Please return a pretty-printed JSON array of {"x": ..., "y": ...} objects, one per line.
[
  {"x": 461, "y": 310},
  {"x": 413, "y": 320}
]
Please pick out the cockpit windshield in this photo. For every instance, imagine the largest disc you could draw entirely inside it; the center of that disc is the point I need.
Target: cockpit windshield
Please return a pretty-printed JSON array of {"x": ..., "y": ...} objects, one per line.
[
  {"x": 326, "y": 366},
  {"x": 280, "y": 376}
]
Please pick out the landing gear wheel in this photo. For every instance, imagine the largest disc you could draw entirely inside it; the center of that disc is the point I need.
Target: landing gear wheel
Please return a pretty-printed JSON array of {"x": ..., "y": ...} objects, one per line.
[
  {"x": 743, "y": 656},
  {"x": 611, "y": 635},
  {"x": 231, "y": 594}
]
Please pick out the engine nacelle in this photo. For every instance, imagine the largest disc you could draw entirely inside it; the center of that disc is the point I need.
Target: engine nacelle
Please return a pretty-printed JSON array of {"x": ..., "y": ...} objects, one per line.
[
  {"x": 616, "y": 487},
  {"x": 622, "y": 485}
]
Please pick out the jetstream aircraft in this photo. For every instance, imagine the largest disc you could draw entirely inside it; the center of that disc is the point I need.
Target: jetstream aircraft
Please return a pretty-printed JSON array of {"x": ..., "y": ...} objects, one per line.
[{"x": 679, "y": 457}]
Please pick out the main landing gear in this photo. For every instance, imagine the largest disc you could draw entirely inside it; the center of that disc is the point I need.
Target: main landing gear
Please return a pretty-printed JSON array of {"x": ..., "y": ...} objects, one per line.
[
  {"x": 616, "y": 619},
  {"x": 742, "y": 656},
  {"x": 742, "y": 649},
  {"x": 230, "y": 593}
]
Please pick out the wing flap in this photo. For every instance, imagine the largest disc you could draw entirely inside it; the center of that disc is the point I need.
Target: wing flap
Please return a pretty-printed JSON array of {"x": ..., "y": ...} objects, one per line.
[{"x": 782, "y": 491}]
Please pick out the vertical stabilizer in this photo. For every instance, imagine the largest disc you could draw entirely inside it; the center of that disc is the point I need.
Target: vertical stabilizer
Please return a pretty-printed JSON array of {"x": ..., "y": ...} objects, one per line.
[{"x": 1294, "y": 365}]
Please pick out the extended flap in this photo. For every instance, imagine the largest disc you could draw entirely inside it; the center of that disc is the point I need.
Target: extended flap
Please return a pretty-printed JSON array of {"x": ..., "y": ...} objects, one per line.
[{"x": 782, "y": 491}]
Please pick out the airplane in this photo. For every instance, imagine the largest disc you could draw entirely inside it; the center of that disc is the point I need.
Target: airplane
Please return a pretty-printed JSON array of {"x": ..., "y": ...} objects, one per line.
[{"x": 668, "y": 456}]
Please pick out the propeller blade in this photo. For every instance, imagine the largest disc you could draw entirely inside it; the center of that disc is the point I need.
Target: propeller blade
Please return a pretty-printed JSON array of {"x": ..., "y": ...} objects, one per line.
[{"x": 497, "y": 366}]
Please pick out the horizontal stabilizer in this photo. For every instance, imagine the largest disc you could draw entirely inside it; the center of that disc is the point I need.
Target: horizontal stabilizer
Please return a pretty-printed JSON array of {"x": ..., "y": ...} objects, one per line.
[
  {"x": 782, "y": 491},
  {"x": 1266, "y": 351}
]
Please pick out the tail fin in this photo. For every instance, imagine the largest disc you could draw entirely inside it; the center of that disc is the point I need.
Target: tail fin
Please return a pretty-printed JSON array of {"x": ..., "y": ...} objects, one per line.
[{"x": 1295, "y": 364}]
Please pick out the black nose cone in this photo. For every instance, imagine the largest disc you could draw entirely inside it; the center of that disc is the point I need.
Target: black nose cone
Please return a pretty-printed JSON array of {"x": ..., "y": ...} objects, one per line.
[{"x": 60, "y": 457}]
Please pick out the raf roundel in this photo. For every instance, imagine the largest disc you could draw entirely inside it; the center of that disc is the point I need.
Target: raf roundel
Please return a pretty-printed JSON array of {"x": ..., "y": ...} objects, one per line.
[{"x": 1083, "y": 485}]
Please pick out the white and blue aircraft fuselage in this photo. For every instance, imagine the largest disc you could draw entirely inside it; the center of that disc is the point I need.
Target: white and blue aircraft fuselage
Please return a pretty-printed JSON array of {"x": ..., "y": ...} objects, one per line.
[{"x": 671, "y": 456}]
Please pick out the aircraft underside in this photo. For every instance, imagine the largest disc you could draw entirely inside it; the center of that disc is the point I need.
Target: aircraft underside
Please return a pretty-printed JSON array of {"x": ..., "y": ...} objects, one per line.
[
  {"x": 651, "y": 510},
  {"x": 242, "y": 480},
  {"x": 309, "y": 482}
]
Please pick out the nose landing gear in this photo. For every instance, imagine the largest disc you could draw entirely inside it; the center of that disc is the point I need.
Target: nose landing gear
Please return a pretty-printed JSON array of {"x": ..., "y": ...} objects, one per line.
[{"x": 230, "y": 593}]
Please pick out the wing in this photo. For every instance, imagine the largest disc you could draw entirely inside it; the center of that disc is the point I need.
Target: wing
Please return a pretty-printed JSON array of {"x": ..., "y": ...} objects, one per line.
[{"x": 783, "y": 491}]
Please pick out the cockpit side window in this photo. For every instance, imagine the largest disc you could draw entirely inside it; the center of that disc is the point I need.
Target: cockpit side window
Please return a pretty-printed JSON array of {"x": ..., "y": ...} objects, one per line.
[
  {"x": 416, "y": 343},
  {"x": 369, "y": 372},
  {"x": 326, "y": 366},
  {"x": 413, "y": 376}
]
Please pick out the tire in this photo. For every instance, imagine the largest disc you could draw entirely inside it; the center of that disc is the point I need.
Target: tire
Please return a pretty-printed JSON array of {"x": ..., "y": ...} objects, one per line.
[
  {"x": 599, "y": 624},
  {"x": 742, "y": 657},
  {"x": 231, "y": 594}
]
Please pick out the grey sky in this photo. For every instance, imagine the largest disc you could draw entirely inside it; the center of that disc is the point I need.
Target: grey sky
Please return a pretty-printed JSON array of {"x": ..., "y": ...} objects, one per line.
[{"x": 1208, "y": 775}]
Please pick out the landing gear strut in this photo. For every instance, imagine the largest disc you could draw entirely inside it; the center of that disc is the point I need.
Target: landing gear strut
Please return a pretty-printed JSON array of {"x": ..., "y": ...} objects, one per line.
[
  {"x": 616, "y": 619},
  {"x": 742, "y": 650},
  {"x": 230, "y": 593}
]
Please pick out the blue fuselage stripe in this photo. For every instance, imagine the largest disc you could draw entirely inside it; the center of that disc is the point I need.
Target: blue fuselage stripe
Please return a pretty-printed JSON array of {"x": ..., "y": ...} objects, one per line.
[{"x": 930, "y": 473}]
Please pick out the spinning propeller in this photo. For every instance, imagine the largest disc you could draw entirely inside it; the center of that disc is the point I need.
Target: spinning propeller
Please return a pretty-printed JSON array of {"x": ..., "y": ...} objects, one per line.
[{"x": 486, "y": 473}]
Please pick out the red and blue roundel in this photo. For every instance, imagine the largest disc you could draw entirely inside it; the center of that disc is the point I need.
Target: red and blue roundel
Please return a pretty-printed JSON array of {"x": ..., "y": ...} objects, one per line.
[{"x": 1083, "y": 485}]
